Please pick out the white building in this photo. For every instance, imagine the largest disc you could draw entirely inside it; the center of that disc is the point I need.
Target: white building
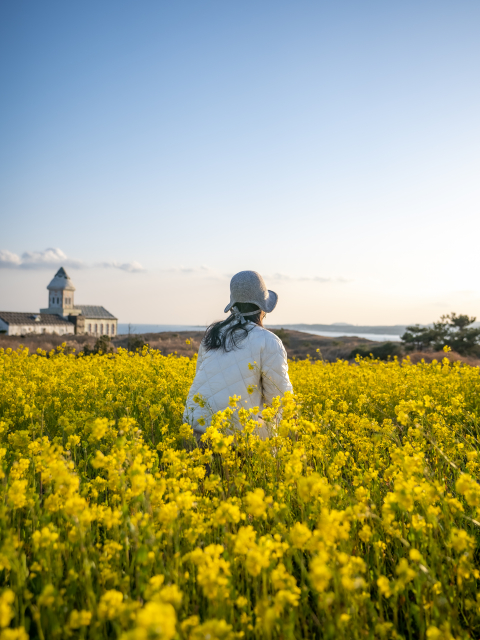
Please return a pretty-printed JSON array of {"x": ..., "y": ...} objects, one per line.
[{"x": 61, "y": 316}]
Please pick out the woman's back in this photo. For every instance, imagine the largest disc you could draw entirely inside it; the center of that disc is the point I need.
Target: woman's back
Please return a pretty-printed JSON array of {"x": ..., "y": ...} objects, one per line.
[{"x": 222, "y": 374}]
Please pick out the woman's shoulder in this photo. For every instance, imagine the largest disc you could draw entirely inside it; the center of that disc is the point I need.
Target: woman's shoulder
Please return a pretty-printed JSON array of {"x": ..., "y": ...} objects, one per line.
[{"x": 268, "y": 337}]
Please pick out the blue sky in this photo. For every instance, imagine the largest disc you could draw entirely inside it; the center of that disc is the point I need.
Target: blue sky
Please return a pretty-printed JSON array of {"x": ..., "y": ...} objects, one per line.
[{"x": 156, "y": 148}]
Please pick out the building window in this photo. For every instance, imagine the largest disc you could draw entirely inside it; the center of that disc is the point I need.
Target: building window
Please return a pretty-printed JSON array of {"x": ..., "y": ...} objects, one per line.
[
  {"x": 96, "y": 329},
  {"x": 101, "y": 329},
  {"x": 113, "y": 329},
  {"x": 107, "y": 327},
  {"x": 89, "y": 328}
]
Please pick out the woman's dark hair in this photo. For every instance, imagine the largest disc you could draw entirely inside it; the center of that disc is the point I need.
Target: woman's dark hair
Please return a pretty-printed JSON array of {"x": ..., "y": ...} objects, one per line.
[{"x": 229, "y": 334}]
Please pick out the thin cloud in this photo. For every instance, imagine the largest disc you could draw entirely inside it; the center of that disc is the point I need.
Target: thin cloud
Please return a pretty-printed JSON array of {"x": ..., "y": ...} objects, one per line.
[
  {"x": 130, "y": 267},
  {"x": 54, "y": 258},
  {"x": 9, "y": 260},
  {"x": 51, "y": 257},
  {"x": 202, "y": 271},
  {"x": 187, "y": 270},
  {"x": 320, "y": 279}
]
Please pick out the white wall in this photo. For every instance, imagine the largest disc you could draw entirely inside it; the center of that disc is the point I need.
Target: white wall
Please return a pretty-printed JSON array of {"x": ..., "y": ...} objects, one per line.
[
  {"x": 96, "y": 322},
  {"x": 23, "y": 330}
]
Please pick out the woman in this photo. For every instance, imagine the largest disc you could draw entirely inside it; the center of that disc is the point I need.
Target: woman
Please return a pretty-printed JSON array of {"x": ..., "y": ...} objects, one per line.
[{"x": 227, "y": 350}]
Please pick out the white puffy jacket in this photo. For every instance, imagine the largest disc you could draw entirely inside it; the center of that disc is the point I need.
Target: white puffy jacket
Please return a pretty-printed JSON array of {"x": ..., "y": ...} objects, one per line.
[{"x": 220, "y": 375}]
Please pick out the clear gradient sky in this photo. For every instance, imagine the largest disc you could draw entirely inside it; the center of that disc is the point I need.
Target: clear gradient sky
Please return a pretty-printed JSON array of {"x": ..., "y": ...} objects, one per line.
[{"x": 155, "y": 148}]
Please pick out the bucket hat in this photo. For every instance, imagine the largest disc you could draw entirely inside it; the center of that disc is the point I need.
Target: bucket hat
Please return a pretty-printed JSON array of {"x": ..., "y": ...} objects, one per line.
[{"x": 248, "y": 286}]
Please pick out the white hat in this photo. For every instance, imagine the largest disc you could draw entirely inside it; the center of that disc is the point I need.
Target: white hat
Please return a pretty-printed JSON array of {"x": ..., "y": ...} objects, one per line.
[{"x": 248, "y": 286}]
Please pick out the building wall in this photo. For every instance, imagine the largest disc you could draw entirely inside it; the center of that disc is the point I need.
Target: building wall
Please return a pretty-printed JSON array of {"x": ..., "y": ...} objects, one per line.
[
  {"x": 38, "y": 327},
  {"x": 79, "y": 322},
  {"x": 91, "y": 326},
  {"x": 101, "y": 327}
]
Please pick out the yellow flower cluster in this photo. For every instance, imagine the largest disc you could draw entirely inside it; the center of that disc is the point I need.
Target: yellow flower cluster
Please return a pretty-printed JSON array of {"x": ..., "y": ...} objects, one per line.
[{"x": 359, "y": 517}]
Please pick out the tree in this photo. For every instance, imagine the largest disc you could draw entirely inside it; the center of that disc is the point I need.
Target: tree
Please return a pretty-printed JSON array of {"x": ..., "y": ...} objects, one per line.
[{"x": 451, "y": 330}]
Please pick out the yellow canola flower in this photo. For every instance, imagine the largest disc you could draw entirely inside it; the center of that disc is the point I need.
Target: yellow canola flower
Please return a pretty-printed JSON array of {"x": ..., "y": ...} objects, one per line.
[
  {"x": 214, "y": 629},
  {"x": 314, "y": 487},
  {"x": 212, "y": 570},
  {"x": 154, "y": 620},
  {"x": 320, "y": 573},
  {"x": 245, "y": 540},
  {"x": 470, "y": 489},
  {"x": 46, "y": 537},
  {"x": 228, "y": 512},
  {"x": 300, "y": 535},
  {"x": 384, "y": 586},
  {"x": 14, "y": 634},
  {"x": 359, "y": 511},
  {"x": 415, "y": 555},
  {"x": 461, "y": 541},
  {"x": 255, "y": 503},
  {"x": 7, "y": 598},
  {"x": 80, "y": 618},
  {"x": 110, "y": 605}
]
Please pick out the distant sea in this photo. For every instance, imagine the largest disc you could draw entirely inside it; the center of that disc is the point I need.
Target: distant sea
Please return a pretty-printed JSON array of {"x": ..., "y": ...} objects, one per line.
[
  {"x": 157, "y": 328},
  {"x": 365, "y": 332},
  {"x": 378, "y": 337}
]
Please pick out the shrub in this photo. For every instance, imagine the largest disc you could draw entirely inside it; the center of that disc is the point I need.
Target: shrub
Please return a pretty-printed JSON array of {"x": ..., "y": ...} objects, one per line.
[
  {"x": 102, "y": 345},
  {"x": 382, "y": 351}
]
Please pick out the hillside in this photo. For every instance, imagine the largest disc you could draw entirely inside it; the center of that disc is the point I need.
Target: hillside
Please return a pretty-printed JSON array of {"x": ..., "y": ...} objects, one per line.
[{"x": 298, "y": 344}]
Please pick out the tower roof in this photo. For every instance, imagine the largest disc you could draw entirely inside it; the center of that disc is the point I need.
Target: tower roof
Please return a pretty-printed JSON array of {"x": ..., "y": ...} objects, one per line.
[{"x": 61, "y": 281}]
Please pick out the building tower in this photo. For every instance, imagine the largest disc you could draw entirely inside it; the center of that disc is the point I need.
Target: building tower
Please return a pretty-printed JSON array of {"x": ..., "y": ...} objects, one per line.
[
  {"x": 92, "y": 319},
  {"x": 60, "y": 295}
]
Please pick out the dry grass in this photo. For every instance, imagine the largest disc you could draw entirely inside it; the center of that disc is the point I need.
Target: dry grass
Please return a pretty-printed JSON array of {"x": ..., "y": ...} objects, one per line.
[
  {"x": 300, "y": 345},
  {"x": 429, "y": 356},
  {"x": 167, "y": 342}
]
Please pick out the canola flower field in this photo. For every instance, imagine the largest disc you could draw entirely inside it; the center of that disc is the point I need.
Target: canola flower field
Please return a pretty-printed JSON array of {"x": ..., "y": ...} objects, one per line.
[{"x": 359, "y": 519}]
